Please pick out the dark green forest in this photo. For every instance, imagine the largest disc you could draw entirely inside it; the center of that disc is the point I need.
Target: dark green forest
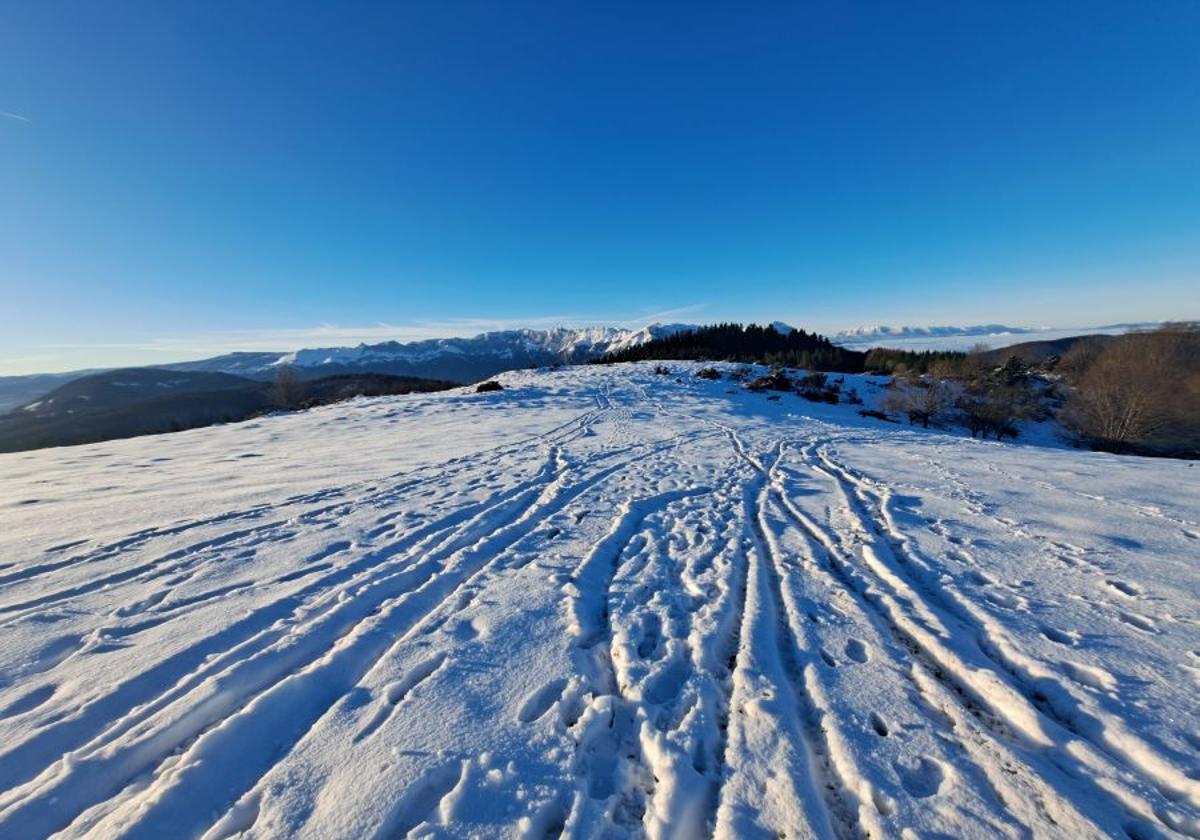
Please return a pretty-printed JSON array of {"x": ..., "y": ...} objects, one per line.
[{"x": 753, "y": 344}]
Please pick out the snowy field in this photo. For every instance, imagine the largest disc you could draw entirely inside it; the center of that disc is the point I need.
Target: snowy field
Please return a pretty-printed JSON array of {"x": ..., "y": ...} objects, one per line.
[{"x": 602, "y": 603}]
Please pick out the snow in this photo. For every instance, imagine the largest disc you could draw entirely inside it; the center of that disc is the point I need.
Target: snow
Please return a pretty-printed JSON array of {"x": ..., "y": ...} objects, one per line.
[{"x": 603, "y": 603}]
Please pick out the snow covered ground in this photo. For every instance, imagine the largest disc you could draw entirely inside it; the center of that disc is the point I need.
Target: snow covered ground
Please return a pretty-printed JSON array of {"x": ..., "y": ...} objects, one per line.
[{"x": 601, "y": 603}]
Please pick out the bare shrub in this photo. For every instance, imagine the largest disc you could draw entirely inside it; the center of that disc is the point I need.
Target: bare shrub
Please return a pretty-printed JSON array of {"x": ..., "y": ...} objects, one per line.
[
  {"x": 1082, "y": 355},
  {"x": 1141, "y": 390},
  {"x": 820, "y": 395},
  {"x": 920, "y": 400},
  {"x": 776, "y": 380},
  {"x": 950, "y": 368},
  {"x": 813, "y": 381},
  {"x": 993, "y": 407},
  {"x": 287, "y": 391}
]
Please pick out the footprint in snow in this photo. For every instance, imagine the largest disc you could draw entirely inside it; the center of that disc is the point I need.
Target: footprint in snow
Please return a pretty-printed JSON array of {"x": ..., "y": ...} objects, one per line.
[
  {"x": 665, "y": 684},
  {"x": 396, "y": 691},
  {"x": 424, "y": 798},
  {"x": 54, "y": 653},
  {"x": 651, "y": 636},
  {"x": 1058, "y": 636},
  {"x": 879, "y": 725},
  {"x": 979, "y": 578},
  {"x": 857, "y": 651},
  {"x": 1008, "y": 600},
  {"x": 463, "y": 630},
  {"x": 1139, "y": 622},
  {"x": 1124, "y": 588},
  {"x": 922, "y": 780},
  {"x": 1090, "y": 675},
  {"x": 540, "y": 701},
  {"x": 28, "y": 702}
]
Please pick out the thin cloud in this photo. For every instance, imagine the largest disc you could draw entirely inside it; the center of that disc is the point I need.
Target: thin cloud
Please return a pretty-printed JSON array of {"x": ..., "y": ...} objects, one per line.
[
  {"x": 9, "y": 115},
  {"x": 679, "y": 313}
]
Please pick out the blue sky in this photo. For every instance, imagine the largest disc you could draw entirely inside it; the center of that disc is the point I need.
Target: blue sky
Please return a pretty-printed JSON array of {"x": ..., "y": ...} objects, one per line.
[{"x": 178, "y": 179}]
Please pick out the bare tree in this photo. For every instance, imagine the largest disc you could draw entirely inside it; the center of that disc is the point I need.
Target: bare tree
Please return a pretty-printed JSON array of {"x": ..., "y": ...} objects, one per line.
[
  {"x": 921, "y": 400},
  {"x": 1143, "y": 388},
  {"x": 287, "y": 390},
  {"x": 1082, "y": 355},
  {"x": 992, "y": 407}
]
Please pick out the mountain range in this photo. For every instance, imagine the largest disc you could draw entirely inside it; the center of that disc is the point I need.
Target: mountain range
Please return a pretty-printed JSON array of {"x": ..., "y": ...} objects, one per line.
[
  {"x": 466, "y": 360},
  {"x": 881, "y": 331},
  {"x": 461, "y": 360}
]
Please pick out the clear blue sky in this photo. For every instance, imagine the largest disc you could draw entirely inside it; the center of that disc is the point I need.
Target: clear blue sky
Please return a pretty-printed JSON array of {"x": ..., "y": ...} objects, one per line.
[{"x": 179, "y": 178}]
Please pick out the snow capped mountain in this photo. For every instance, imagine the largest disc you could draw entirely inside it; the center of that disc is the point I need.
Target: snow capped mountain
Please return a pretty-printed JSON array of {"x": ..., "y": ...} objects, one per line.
[
  {"x": 461, "y": 359},
  {"x": 994, "y": 336},
  {"x": 455, "y": 359}
]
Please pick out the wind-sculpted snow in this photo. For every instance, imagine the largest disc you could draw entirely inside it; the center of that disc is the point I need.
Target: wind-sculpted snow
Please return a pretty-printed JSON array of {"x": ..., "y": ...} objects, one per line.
[{"x": 599, "y": 603}]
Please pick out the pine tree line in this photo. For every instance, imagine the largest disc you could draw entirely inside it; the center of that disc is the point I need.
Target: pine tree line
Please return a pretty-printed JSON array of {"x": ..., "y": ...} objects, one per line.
[{"x": 752, "y": 344}]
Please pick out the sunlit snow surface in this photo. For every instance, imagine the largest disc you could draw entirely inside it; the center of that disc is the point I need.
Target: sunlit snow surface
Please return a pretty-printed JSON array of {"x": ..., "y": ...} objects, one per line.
[{"x": 601, "y": 603}]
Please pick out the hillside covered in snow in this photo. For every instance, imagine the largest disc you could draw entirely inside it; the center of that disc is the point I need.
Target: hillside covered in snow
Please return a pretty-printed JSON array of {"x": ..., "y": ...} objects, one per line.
[{"x": 599, "y": 603}]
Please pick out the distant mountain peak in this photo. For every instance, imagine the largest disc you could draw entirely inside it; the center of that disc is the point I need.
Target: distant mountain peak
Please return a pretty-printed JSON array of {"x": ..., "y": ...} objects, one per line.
[
  {"x": 458, "y": 359},
  {"x": 884, "y": 331}
]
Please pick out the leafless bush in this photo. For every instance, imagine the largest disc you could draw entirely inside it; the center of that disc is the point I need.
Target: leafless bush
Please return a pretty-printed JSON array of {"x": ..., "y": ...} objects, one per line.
[
  {"x": 920, "y": 400},
  {"x": 993, "y": 407},
  {"x": 1141, "y": 390},
  {"x": 1082, "y": 355},
  {"x": 776, "y": 380},
  {"x": 287, "y": 390},
  {"x": 813, "y": 381}
]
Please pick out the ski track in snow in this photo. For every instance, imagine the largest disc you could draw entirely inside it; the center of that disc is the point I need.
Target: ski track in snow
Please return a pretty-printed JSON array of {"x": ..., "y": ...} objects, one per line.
[{"x": 602, "y": 603}]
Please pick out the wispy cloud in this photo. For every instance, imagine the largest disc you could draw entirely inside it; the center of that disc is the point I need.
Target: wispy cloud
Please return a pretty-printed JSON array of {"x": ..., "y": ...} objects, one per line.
[{"x": 9, "y": 115}]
